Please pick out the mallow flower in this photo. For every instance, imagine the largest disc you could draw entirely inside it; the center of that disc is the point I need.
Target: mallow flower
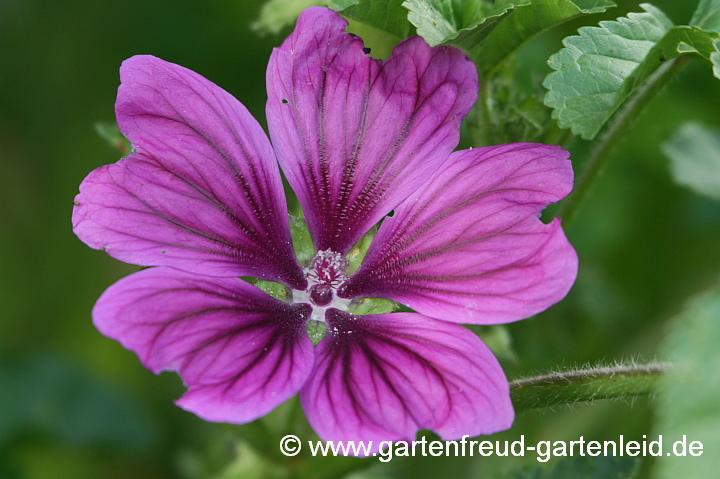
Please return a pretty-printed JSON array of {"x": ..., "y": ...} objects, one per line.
[{"x": 200, "y": 200}]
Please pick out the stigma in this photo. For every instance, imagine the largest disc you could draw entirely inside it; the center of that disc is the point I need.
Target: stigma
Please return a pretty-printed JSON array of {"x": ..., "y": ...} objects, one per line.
[{"x": 325, "y": 273}]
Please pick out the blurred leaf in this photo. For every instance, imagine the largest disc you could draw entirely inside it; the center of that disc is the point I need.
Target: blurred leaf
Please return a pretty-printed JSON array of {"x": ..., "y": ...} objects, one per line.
[
  {"x": 378, "y": 43},
  {"x": 690, "y": 393},
  {"x": 207, "y": 461},
  {"x": 601, "y": 68},
  {"x": 694, "y": 153},
  {"x": 386, "y": 15},
  {"x": 55, "y": 399},
  {"x": 57, "y": 461},
  {"x": 583, "y": 468},
  {"x": 322, "y": 467},
  {"x": 251, "y": 465},
  {"x": 707, "y": 15},
  {"x": 229, "y": 457},
  {"x": 497, "y": 338},
  {"x": 277, "y": 14},
  {"x": 491, "y": 35},
  {"x": 370, "y": 474},
  {"x": 585, "y": 385},
  {"x": 111, "y": 133}
]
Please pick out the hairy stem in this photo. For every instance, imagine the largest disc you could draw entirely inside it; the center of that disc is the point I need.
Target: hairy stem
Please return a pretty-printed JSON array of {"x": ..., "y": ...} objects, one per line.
[
  {"x": 583, "y": 385},
  {"x": 619, "y": 125}
]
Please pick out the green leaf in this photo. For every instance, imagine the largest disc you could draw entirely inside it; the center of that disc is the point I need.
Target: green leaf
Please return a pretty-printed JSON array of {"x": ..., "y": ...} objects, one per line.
[
  {"x": 316, "y": 331},
  {"x": 601, "y": 68},
  {"x": 694, "y": 153},
  {"x": 386, "y": 15},
  {"x": 586, "y": 385},
  {"x": 278, "y": 14},
  {"x": 301, "y": 240},
  {"x": 690, "y": 393},
  {"x": 491, "y": 34},
  {"x": 524, "y": 23},
  {"x": 715, "y": 59},
  {"x": 373, "y": 306},
  {"x": 440, "y": 22},
  {"x": 111, "y": 133},
  {"x": 276, "y": 290},
  {"x": 707, "y": 15},
  {"x": 583, "y": 467},
  {"x": 357, "y": 253}
]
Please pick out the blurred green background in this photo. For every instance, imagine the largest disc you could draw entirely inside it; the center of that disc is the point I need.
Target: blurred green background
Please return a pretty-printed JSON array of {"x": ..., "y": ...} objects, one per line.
[{"x": 74, "y": 404}]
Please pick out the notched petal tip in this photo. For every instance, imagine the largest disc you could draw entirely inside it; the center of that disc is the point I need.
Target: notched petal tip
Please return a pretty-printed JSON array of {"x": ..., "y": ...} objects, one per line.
[
  {"x": 358, "y": 135},
  {"x": 469, "y": 247},
  {"x": 239, "y": 351},
  {"x": 384, "y": 377},
  {"x": 202, "y": 192}
]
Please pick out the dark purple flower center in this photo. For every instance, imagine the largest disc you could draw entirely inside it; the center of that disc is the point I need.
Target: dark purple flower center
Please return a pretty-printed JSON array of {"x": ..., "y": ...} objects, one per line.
[
  {"x": 325, "y": 273},
  {"x": 321, "y": 294}
]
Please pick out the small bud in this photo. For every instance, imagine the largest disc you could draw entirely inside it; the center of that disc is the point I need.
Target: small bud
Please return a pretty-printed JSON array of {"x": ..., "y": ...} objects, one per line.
[{"x": 111, "y": 133}]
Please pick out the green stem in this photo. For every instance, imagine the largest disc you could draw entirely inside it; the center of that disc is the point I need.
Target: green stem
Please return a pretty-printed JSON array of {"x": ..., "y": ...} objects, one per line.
[
  {"x": 584, "y": 385},
  {"x": 618, "y": 127},
  {"x": 483, "y": 99}
]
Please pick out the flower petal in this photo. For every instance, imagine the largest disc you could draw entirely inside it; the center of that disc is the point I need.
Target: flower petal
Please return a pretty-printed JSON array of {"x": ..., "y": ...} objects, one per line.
[
  {"x": 354, "y": 135},
  {"x": 239, "y": 351},
  {"x": 383, "y": 377},
  {"x": 469, "y": 247},
  {"x": 202, "y": 192}
]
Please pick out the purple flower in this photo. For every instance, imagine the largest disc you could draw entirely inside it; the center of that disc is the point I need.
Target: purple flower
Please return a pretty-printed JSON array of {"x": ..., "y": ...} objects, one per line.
[{"x": 201, "y": 200}]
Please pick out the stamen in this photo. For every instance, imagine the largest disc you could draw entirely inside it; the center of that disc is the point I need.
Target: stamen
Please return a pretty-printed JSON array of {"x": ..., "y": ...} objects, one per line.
[{"x": 327, "y": 267}]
